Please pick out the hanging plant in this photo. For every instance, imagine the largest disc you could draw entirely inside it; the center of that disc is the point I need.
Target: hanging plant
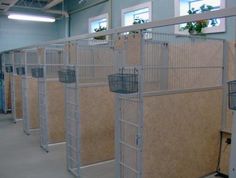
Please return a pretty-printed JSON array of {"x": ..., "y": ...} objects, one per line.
[
  {"x": 198, "y": 26},
  {"x": 99, "y": 30}
]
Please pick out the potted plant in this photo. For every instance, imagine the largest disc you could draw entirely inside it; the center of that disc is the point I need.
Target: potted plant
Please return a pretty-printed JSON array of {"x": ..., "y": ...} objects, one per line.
[
  {"x": 138, "y": 21},
  {"x": 198, "y": 26},
  {"x": 99, "y": 30}
]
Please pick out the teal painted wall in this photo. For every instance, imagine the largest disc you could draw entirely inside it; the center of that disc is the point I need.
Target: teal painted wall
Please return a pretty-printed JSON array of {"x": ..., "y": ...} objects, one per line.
[
  {"x": 61, "y": 28},
  {"x": 161, "y": 9},
  {"x": 14, "y": 34},
  {"x": 79, "y": 20}
]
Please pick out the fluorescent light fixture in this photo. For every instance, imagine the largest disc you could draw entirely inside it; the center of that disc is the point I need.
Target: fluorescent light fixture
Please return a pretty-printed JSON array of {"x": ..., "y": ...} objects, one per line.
[{"x": 31, "y": 18}]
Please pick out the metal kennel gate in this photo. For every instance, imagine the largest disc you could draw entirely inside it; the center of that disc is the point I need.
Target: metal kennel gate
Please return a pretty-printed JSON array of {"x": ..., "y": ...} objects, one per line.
[
  {"x": 12, "y": 86},
  {"x": 72, "y": 125},
  {"x": 25, "y": 88},
  {"x": 129, "y": 138},
  {"x": 25, "y": 103},
  {"x": 128, "y": 84},
  {"x": 51, "y": 61},
  {"x": 5, "y": 63},
  {"x": 86, "y": 67},
  {"x": 30, "y": 61},
  {"x": 43, "y": 113}
]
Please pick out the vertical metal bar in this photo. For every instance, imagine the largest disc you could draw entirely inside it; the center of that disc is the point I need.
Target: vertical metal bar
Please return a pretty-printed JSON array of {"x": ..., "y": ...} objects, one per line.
[
  {"x": 118, "y": 61},
  {"x": 68, "y": 142},
  {"x": 27, "y": 93},
  {"x": 43, "y": 105},
  {"x": 232, "y": 171},
  {"x": 224, "y": 83},
  {"x": 77, "y": 93},
  {"x": 140, "y": 106},
  {"x": 24, "y": 86},
  {"x": 5, "y": 103},
  {"x": 117, "y": 135},
  {"x": 39, "y": 53},
  {"x": 66, "y": 89},
  {"x": 13, "y": 97},
  {"x": 164, "y": 64},
  {"x": 45, "y": 100}
]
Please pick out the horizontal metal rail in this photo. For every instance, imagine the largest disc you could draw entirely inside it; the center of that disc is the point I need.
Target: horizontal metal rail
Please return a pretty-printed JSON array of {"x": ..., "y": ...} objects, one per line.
[
  {"x": 197, "y": 67},
  {"x": 129, "y": 123},
  {"x": 179, "y": 91},
  {"x": 128, "y": 167},
  {"x": 129, "y": 146}
]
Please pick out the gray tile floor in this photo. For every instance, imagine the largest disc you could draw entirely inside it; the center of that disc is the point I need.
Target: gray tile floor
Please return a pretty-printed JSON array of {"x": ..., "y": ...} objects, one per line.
[{"x": 21, "y": 156}]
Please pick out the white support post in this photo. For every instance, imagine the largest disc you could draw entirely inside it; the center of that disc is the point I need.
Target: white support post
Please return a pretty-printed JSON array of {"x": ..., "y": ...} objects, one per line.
[{"x": 232, "y": 172}]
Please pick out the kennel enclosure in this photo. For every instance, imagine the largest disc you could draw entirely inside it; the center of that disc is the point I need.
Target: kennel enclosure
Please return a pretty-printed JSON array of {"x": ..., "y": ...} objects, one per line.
[
  {"x": 29, "y": 91},
  {"x": 50, "y": 95},
  {"x": 179, "y": 95},
  {"x": 16, "y": 90},
  {"x": 89, "y": 106}
]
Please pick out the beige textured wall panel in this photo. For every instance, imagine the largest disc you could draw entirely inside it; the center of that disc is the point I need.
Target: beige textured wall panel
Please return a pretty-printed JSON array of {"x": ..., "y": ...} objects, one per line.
[
  {"x": 7, "y": 90},
  {"x": 33, "y": 103},
  {"x": 56, "y": 121},
  {"x": 18, "y": 95},
  {"x": 181, "y": 134},
  {"x": 72, "y": 53},
  {"x": 132, "y": 46},
  {"x": 197, "y": 54},
  {"x": 97, "y": 124}
]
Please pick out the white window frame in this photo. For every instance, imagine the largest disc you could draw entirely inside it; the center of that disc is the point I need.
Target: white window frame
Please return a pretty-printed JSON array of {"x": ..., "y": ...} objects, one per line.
[
  {"x": 216, "y": 29},
  {"x": 134, "y": 8},
  {"x": 92, "y": 19}
]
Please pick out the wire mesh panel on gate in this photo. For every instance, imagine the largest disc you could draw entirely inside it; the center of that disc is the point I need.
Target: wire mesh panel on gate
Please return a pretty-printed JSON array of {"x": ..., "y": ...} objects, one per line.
[{"x": 232, "y": 95}]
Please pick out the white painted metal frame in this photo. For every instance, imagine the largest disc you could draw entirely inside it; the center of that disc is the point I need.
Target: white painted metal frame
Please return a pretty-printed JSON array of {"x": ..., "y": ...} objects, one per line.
[
  {"x": 12, "y": 85},
  {"x": 72, "y": 114},
  {"x": 25, "y": 91},
  {"x": 129, "y": 157},
  {"x": 43, "y": 100},
  {"x": 232, "y": 168},
  {"x": 72, "y": 100},
  {"x": 25, "y": 103},
  {"x": 43, "y": 107},
  {"x": 4, "y": 101}
]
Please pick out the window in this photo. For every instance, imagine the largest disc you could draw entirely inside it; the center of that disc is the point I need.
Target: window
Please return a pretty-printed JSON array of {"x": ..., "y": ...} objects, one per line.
[
  {"x": 141, "y": 11},
  {"x": 99, "y": 21},
  {"x": 183, "y": 6}
]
